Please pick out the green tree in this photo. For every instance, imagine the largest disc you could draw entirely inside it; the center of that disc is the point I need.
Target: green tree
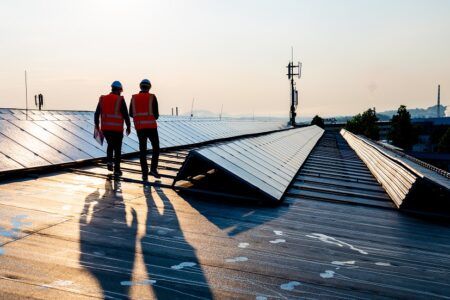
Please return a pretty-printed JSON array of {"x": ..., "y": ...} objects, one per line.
[
  {"x": 365, "y": 124},
  {"x": 354, "y": 124},
  {"x": 402, "y": 133},
  {"x": 444, "y": 143},
  {"x": 318, "y": 121}
]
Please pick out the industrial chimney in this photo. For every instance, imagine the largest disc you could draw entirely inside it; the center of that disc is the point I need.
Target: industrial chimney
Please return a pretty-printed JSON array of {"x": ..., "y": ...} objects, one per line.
[{"x": 439, "y": 102}]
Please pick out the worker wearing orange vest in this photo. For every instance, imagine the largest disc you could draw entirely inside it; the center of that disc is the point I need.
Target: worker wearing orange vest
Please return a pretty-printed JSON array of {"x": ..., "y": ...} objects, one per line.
[
  {"x": 144, "y": 111},
  {"x": 113, "y": 112}
]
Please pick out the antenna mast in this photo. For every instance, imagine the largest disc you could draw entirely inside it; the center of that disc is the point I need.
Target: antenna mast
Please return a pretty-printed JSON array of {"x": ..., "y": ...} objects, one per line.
[
  {"x": 292, "y": 69},
  {"x": 192, "y": 108},
  {"x": 439, "y": 102},
  {"x": 26, "y": 95}
]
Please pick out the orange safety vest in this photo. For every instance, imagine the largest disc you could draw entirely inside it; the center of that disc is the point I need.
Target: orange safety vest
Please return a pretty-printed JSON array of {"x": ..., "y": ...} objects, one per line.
[
  {"x": 112, "y": 119},
  {"x": 142, "y": 105}
]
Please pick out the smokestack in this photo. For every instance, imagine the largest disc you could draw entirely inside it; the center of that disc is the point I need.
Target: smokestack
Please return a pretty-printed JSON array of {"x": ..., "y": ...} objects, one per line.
[
  {"x": 439, "y": 102},
  {"x": 177, "y": 110},
  {"x": 172, "y": 111}
]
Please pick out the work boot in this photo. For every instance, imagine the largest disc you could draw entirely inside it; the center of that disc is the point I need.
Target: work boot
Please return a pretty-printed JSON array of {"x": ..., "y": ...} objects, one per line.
[
  {"x": 155, "y": 173},
  {"x": 109, "y": 166}
]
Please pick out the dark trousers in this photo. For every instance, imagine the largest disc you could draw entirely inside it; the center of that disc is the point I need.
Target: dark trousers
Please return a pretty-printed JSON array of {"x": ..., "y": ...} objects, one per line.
[
  {"x": 152, "y": 135},
  {"x": 114, "y": 140}
]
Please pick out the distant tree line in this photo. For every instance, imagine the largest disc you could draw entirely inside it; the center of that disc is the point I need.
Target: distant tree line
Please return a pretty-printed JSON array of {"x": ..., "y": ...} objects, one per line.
[
  {"x": 365, "y": 124},
  {"x": 402, "y": 133}
]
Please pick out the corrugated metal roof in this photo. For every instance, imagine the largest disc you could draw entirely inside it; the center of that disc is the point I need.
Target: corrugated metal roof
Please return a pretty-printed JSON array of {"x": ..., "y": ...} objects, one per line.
[{"x": 334, "y": 173}]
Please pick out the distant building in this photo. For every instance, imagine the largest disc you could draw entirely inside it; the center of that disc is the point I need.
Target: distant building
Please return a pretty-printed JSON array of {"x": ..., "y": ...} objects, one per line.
[
  {"x": 430, "y": 131},
  {"x": 432, "y": 121},
  {"x": 416, "y": 113}
]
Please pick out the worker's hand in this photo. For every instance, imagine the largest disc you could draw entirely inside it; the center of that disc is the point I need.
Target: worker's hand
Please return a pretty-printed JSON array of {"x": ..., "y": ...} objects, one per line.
[{"x": 128, "y": 130}]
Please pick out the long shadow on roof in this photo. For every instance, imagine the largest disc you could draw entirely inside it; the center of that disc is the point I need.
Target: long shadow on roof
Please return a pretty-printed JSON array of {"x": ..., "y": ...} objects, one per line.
[
  {"x": 126, "y": 264},
  {"x": 232, "y": 214}
]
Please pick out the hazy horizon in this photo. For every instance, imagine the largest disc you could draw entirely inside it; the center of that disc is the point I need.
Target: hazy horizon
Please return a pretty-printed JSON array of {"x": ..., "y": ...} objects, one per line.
[{"x": 355, "y": 54}]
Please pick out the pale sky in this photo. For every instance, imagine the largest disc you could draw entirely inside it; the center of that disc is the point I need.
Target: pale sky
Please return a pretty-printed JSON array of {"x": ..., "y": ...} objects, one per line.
[{"x": 356, "y": 53}]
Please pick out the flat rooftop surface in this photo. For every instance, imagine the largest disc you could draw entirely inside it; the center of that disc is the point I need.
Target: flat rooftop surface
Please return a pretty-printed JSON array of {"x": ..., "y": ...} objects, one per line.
[{"x": 74, "y": 235}]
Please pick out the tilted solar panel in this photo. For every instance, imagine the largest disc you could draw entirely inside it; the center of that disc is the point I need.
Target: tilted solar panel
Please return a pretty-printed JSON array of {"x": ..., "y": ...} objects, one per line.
[{"x": 267, "y": 163}]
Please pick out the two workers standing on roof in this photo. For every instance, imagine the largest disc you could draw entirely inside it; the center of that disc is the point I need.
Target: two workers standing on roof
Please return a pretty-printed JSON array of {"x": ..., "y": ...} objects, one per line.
[{"x": 113, "y": 112}]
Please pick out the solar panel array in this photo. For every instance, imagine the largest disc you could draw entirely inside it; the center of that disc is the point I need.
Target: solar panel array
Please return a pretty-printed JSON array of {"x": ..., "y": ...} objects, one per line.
[
  {"x": 406, "y": 182},
  {"x": 55, "y": 137},
  {"x": 267, "y": 163}
]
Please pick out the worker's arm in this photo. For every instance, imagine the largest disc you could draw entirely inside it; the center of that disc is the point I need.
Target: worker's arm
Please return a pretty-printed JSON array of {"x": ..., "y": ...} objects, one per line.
[
  {"x": 155, "y": 109},
  {"x": 131, "y": 109},
  {"x": 124, "y": 112},
  {"x": 97, "y": 115}
]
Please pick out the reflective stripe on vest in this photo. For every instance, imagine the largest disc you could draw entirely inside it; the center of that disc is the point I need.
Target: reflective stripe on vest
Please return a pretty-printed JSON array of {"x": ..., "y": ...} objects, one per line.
[
  {"x": 112, "y": 119},
  {"x": 142, "y": 105},
  {"x": 145, "y": 122}
]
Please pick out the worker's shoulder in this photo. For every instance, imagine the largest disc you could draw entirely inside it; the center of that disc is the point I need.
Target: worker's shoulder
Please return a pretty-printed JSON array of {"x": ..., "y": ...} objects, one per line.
[{"x": 139, "y": 95}]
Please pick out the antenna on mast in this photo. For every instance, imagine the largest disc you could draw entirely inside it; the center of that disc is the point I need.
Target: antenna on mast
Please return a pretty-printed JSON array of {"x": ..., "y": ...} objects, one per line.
[{"x": 294, "y": 93}]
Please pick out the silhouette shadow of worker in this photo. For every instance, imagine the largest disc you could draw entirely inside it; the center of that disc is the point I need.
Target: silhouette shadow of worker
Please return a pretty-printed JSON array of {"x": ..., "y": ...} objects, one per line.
[
  {"x": 107, "y": 242},
  {"x": 168, "y": 256}
]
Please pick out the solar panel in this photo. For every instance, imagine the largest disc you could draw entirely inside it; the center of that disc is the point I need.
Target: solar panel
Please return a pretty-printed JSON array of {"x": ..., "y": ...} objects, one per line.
[
  {"x": 85, "y": 130},
  {"x": 72, "y": 139},
  {"x": 267, "y": 163},
  {"x": 8, "y": 116},
  {"x": 52, "y": 140},
  {"x": 18, "y": 153},
  {"x": 64, "y": 136},
  {"x": 8, "y": 164},
  {"x": 33, "y": 144}
]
